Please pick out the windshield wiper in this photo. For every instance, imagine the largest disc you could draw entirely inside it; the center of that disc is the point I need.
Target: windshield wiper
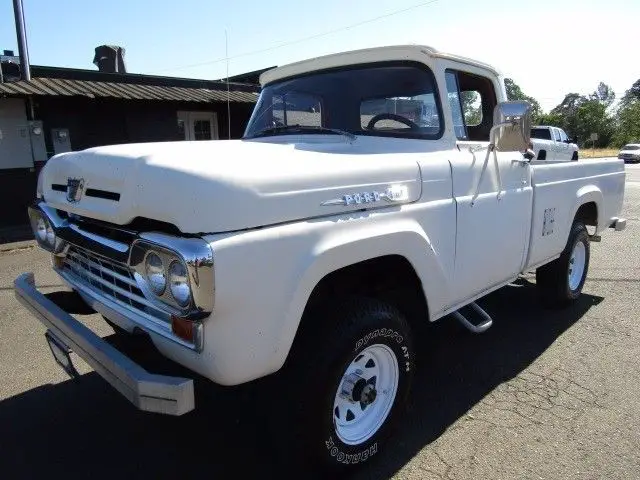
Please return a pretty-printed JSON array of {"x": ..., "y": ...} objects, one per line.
[{"x": 297, "y": 128}]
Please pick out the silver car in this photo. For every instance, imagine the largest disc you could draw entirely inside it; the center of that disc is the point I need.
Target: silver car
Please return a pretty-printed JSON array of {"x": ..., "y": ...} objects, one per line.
[{"x": 630, "y": 153}]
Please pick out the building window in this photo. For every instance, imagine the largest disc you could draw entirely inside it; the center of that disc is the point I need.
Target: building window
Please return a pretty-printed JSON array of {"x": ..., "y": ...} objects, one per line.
[
  {"x": 202, "y": 130},
  {"x": 198, "y": 125}
]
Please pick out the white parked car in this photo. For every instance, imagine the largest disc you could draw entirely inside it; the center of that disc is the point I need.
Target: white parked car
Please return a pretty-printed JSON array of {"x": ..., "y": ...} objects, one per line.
[
  {"x": 315, "y": 246},
  {"x": 552, "y": 143},
  {"x": 630, "y": 153}
]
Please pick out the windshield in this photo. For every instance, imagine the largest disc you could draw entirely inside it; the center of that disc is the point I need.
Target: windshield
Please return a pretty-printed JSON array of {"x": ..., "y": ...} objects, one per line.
[
  {"x": 384, "y": 100},
  {"x": 631, "y": 147},
  {"x": 541, "y": 133}
]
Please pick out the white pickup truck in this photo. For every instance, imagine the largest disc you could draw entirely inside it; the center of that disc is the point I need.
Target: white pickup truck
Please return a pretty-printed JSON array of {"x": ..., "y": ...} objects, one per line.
[
  {"x": 354, "y": 210},
  {"x": 552, "y": 143}
]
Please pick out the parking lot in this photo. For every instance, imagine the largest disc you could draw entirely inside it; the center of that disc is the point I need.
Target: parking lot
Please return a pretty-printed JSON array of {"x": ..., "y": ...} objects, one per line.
[{"x": 542, "y": 394}]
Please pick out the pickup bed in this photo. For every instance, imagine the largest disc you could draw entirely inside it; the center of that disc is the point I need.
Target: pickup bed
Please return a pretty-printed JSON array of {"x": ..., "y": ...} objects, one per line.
[{"x": 360, "y": 204}]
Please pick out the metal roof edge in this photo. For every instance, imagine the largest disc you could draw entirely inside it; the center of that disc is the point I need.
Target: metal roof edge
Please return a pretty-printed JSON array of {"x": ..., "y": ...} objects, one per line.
[{"x": 136, "y": 78}]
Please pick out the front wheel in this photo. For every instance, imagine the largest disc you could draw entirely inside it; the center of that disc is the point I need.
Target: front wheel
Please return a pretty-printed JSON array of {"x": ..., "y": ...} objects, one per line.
[
  {"x": 561, "y": 281},
  {"x": 348, "y": 380}
]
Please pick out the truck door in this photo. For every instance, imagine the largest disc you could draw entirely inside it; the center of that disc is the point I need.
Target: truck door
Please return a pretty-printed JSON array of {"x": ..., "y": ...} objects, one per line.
[
  {"x": 567, "y": 152},
  {"x": 494, "y": 207},
  {"x": 559, "y": 147}
]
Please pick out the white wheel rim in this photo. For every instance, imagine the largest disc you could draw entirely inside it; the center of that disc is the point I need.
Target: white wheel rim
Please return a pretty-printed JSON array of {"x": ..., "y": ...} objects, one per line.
[
  {"x": 376, "y": 367},
  {"x": 576, "y": 265}
]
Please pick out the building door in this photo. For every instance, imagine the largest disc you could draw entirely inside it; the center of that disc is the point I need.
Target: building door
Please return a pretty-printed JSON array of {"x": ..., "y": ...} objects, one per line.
[{"x": 198, "y": 125}]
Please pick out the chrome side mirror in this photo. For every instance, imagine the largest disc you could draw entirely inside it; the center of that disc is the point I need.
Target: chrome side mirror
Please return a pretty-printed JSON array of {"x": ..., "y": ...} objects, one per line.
[{"x": 511, "y": 131}]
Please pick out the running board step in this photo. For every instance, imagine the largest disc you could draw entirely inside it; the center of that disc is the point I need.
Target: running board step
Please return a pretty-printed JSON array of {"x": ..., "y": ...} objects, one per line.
[{"x": 483, "y": 326}]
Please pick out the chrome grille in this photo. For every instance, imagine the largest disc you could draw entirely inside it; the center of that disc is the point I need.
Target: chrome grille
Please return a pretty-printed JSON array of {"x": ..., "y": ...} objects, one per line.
[{"x": 111, "y": 279}]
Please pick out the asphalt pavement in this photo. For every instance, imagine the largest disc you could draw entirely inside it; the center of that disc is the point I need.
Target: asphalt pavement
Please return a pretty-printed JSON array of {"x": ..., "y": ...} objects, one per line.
[
  {"x": 633, "y": 173},
  {"x": 542, "y": 395}
]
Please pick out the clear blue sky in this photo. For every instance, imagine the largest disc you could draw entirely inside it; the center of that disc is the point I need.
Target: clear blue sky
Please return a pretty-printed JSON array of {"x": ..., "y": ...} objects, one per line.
[{"x": 549, "y": 47}]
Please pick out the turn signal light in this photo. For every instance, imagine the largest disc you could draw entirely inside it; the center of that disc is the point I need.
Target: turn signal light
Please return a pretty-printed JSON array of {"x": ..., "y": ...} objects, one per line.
[{"x": 182, "y": 328}]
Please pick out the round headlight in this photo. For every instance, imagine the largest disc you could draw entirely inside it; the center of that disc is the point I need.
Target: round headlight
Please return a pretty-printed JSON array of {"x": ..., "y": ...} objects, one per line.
[
  {"x": 179, "y": 283},
  {"x": 41, "y": 229},
  {"x": 155, "y": 273}
]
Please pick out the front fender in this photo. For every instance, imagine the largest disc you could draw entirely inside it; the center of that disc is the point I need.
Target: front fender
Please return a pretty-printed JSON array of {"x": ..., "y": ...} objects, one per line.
[
  {"x": 264, "y": 278},
  {"x": 404, "y": 238}
]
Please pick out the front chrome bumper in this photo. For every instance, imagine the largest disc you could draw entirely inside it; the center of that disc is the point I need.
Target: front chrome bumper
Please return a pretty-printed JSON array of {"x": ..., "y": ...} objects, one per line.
[
  {"x": 147, "y": 391},
  {"x": 106, "y": 263}
]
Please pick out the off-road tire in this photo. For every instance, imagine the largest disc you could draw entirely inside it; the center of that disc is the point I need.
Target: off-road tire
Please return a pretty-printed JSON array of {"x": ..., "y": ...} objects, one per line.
[
  {"x": 552, "y": 279},
  {"x": 330, "y": 340}
]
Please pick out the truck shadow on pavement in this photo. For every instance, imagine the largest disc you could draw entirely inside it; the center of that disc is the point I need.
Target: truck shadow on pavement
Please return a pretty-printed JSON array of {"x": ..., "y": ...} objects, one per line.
[{"x": 83, "y": 428}]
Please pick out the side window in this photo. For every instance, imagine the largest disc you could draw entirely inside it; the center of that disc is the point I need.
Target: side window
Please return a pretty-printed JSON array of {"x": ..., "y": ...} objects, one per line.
[
  {"x": 472, "y": 98},
  {"x": 556, "y": 134},
  {"x": 563, "y": 136},
  {"x": 542, "y": 133},
  {"x": 453, "y": 95}
]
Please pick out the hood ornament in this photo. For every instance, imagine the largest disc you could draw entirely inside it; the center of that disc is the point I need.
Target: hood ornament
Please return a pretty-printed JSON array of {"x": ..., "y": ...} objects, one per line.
[{"x": 75, "y": 186}]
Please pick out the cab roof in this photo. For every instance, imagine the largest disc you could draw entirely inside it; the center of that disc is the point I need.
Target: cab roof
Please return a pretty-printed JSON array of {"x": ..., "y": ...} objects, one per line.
[{"x": 367, "y": 55}]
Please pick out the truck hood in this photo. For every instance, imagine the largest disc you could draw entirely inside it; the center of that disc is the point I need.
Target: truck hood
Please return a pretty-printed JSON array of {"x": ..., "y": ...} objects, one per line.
[{"x": 218, "y": 186}]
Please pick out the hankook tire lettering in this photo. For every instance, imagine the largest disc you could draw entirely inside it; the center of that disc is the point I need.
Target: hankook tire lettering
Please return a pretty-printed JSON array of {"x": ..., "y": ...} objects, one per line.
[{"x": 347, "y": 458}]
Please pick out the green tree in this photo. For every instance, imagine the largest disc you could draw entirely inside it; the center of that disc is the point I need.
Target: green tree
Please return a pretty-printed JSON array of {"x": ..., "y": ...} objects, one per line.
[
  {"x": 628, "y": 117},
  {"x": 604, "y": 94},
  {"x": 628, "y": 127},
  {"x": 514, "y": 92},
  {"x": 580, "y": 116},
  {"x": 634, "y": 91},
  {"x": 472, "y": 107},
  {"x": 592, "y": 117},
  {"x": 566, "y": 113},
  {"x": 632, "y": 94}
]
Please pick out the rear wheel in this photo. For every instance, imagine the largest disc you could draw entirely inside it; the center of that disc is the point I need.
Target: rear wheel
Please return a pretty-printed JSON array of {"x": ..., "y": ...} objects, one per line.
[
  {"x": 561, "y": 281},
  {"x": 542, "y": 155},
  {"x": 347, "y": 382},
  {"x": 574, "y": 157}
]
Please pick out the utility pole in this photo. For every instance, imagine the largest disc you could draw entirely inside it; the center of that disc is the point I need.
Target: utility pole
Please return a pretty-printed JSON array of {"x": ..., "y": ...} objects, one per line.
[{"x": 23, "y": 50}]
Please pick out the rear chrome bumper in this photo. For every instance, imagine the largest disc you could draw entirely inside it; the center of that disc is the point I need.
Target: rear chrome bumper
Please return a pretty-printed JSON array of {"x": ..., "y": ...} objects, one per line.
[{"x": 147, "y": 391}]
